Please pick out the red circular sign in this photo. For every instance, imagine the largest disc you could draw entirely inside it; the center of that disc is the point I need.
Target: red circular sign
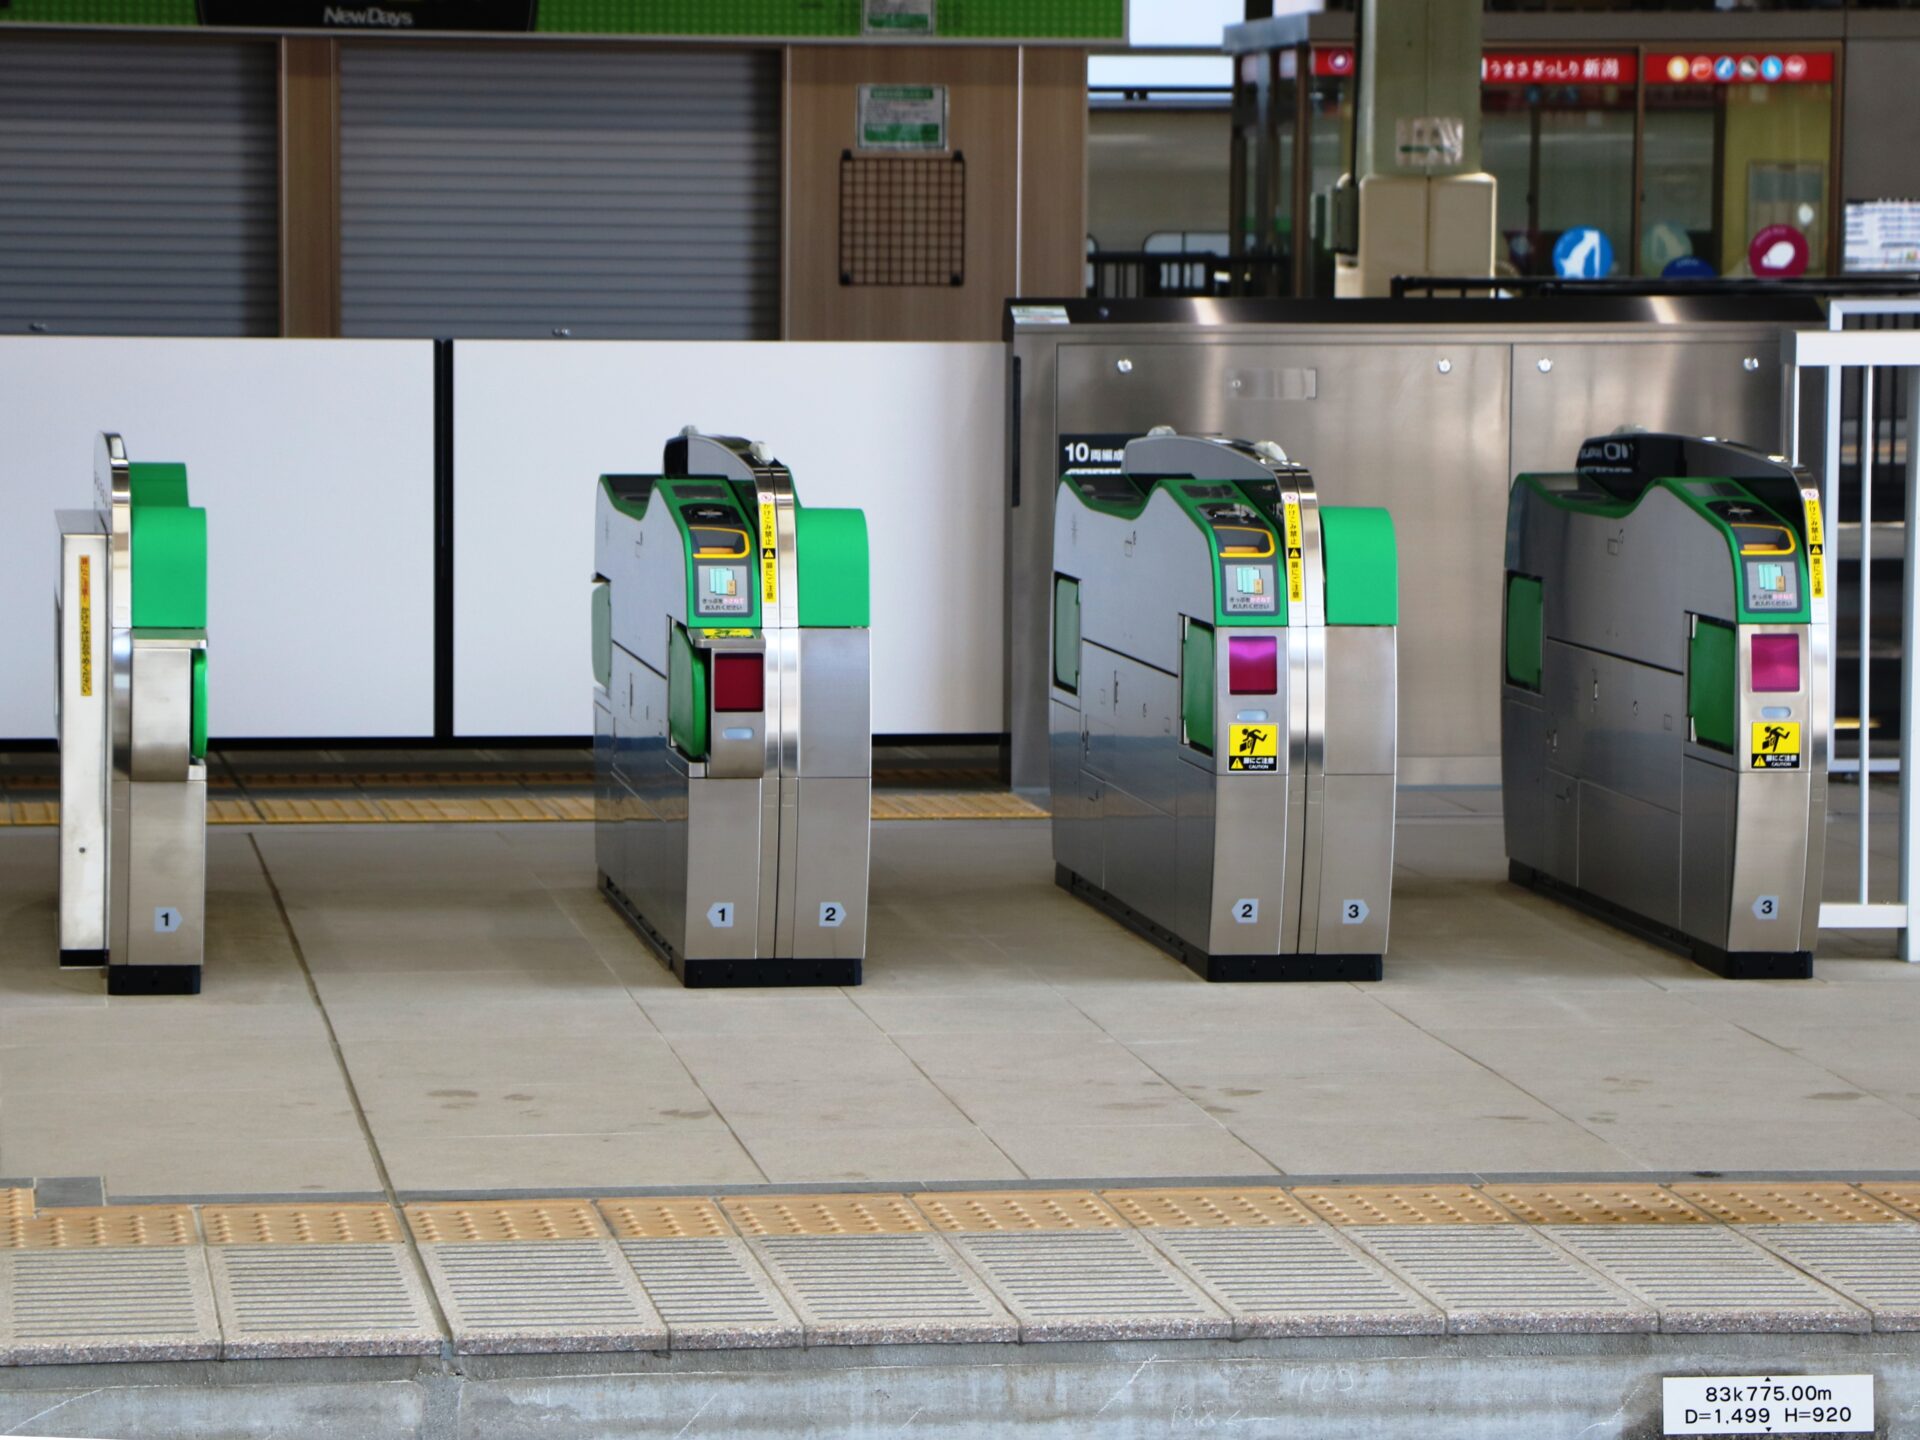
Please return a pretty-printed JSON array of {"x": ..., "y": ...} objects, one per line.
[
  {"x": 1796, "y": 67},
  {"x": 1779, "y": 252}
]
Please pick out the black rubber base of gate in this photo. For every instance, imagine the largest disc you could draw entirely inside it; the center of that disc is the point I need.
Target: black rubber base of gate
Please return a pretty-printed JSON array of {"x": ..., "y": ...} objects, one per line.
[
  {"x": 153, "y": 979},
  {"x": 1229, "y": 968},
  {"x": 1732, "y": 964},
  {"x": 731, "y": 974}
]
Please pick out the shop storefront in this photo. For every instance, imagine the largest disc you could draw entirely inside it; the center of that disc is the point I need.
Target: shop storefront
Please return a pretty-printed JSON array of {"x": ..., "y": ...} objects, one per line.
[{"x": 1624, "y": 160}]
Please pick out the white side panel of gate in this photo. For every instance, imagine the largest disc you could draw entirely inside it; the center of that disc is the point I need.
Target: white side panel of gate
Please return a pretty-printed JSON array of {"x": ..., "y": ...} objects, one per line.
[
  {"x": 914, "y": 434},
  {"x": 314, "y": 460}
]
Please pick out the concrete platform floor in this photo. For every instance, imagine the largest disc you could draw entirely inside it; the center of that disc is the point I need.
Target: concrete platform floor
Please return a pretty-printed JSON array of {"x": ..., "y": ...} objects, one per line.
[{"x": 420, "y": 1010}]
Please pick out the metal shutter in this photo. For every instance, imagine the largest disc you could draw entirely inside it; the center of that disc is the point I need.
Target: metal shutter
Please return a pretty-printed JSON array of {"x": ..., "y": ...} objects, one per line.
[
  {"x": 138, "y": 186},
  {"x": 524, "y": 190}
]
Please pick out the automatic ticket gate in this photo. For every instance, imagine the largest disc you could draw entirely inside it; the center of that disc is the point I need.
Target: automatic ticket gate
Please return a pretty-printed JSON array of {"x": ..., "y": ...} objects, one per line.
[
  {"x": 733, "y": 718},
  {"x": 1223, "y": 697},
  {"x": 1665, "y": 719},
  {"x": 130, "y": 616}
]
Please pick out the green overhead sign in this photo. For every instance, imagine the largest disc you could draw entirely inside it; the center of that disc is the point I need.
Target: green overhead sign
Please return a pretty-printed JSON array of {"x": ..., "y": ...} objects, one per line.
[{"x": 1064, "y": 20}]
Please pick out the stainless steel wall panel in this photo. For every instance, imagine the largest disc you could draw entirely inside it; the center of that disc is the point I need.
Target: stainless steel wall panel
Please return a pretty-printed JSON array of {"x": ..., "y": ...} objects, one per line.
[
  {"x": 1355, "y": 866},
  {"x": 1430, "y": 420},
  {"x": 830, "y": 874},
  {"x": 723, "y": 837},
  {"x": 1362, "y": 713},
  {"x": 1523, "y": 778},
  {"x": 1245, "y": 806},
  {"x": 1075, "y": 798},
  {"x": 1194, "y": 831},
  {"x": 1639, "y": 725},
  {"x": 836, "y": 677},
  {"x": 1630, "y": 853},
  {"x": 1706, "y": 850},
  {"x": 166, "y": 868},
  {"x": 1567, "y": 389}
]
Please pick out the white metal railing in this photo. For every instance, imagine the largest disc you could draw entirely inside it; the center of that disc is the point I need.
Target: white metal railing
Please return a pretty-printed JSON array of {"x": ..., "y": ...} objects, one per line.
[{"x": 1894, "y": 353}]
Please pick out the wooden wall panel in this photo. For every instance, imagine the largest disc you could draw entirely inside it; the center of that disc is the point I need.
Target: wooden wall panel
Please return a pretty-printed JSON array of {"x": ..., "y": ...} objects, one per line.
[
  {"x": 1004, "y": 236},
  {"x": 309, "y": 186},
  {"x": 1053, "y": 183}
]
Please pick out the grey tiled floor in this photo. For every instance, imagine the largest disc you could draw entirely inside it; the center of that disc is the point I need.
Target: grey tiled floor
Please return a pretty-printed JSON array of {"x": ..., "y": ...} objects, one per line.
[{"x": 500, "y": 1028}]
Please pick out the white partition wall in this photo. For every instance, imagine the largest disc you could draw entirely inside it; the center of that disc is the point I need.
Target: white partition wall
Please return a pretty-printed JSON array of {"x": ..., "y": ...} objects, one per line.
[
  {"x": 314, "y": 460},
  {"x": 913, "y": 434}
]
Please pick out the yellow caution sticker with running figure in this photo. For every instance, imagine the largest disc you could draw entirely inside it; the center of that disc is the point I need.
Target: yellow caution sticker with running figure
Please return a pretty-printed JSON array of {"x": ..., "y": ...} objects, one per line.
[
  {"x": 1253, "y": 747},
  {"x": 1776, "y": 745}
]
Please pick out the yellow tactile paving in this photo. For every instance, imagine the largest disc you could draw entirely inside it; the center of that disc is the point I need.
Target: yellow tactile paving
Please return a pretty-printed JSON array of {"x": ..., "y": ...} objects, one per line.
[
  {"x": 466, "y": 809},
  {"x": 33, "y": 812},
  {"x": 300, "y": 1225},
  {"x": 992, "y": 1211},
  {"x": 97, "y": 1227},
  {"x": 569, "y": 807},
  {"x": 1902, "y": 1197},
  {"x": 504, "y": 1221},
  {"x": 825, "y": 1215},
  {"x": 308, "y": 810},
  {"x": 954, "y": 805},
  {"x": 232, "y": 812},
  {"x": 1599, "y": 1204},
  {"x": 1403, "y": 1205},
  {"x": 1207, "y": 1209},
  {"x": 1759, "y": 1202},
  {"x": 664, "y": 1217},
  {"x": 16, "y": 1205}
]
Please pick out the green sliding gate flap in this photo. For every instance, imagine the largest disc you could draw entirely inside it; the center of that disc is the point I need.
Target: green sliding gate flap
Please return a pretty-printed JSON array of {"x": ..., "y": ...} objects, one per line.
[
  {"x": 198, "y": 742},
  {"x": 1711, "y": 680},
  {"x": 1526, "y": 632},
  {"x": 686, "y": 696},
  {"x": 830, "y": 553}
]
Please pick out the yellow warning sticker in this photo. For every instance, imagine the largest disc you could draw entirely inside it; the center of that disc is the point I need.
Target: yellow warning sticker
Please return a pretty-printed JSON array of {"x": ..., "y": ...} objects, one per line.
[
  {"x": 1253, "y": 747},
  {"x": 1296, "y": 581},
  {"x": 86, "y": 625},
  {"x": 769, "y": 556},
  {"x": 1776, "y": 745},
  {"x": 728, "y": 634},
  {"x": 1816, "y": 546}
]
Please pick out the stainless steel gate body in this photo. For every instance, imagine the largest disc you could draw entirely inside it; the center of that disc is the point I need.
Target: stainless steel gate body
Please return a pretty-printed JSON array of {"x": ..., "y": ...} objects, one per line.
[
  {"x": 131, "y": 684},
  {"x": 1426, "y": 408},
  {"x": 733, "y": 718},
  {"x": 1222, "y": 709},
  {"x": 1666, "y": 714}
]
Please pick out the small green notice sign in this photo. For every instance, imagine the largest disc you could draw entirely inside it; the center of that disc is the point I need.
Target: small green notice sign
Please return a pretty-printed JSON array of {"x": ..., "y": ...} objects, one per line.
[
  {"x": 903, "y": 117},
  {"x": 898, "y": 17}
]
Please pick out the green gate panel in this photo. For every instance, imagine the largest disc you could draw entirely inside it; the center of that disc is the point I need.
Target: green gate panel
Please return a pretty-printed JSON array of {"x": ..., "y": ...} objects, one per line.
[
  {"x": 1712, "y": 676},
  {"x": 1066, "y": 633},
  {"x": 1196, "y": 685},
  {"x": 198, "y": 740},
  {"x": 686, "y": 696},
  {"x": 1363, "y": 565},
  {"x": 1526, "y": 631},
  {"x": 149, "y": 483},
  {"x": 169, "y": 550},
  {"x": 830, "y": 557},
  {"x": 169, "y": 567}
]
